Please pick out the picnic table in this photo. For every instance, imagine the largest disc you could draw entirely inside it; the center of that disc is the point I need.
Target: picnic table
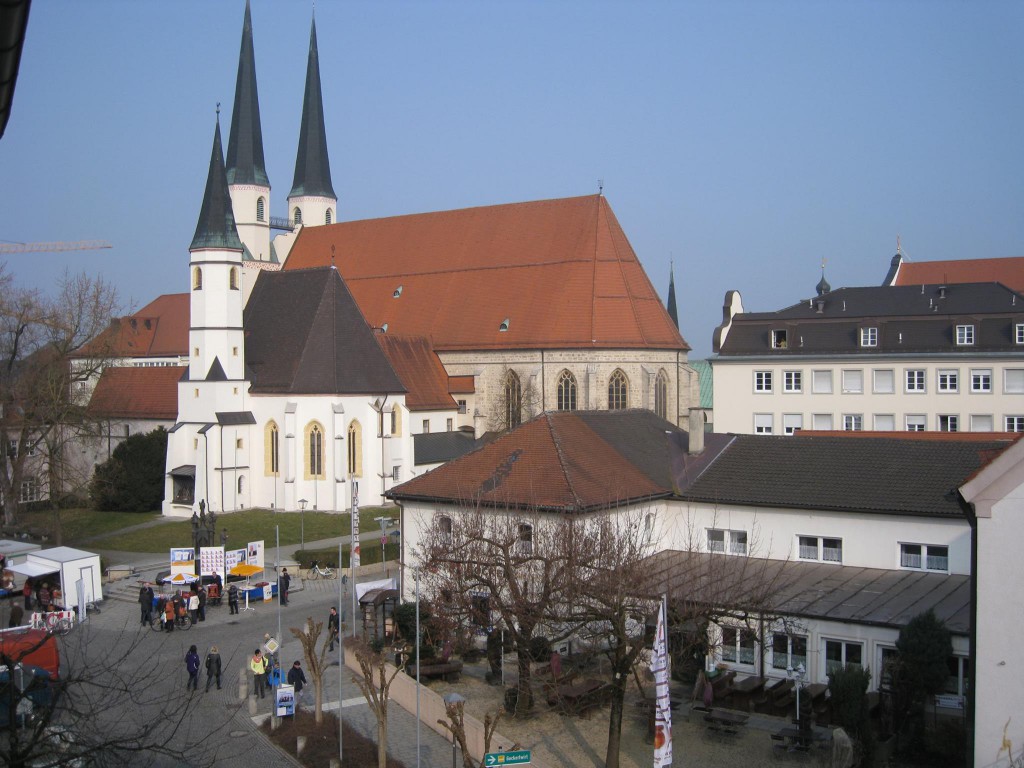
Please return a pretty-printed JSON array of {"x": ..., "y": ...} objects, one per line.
[
  {"x": 744, "y": 691},
  {"x": 722, "y": 722},
  {"x": 579, "y": 697}
]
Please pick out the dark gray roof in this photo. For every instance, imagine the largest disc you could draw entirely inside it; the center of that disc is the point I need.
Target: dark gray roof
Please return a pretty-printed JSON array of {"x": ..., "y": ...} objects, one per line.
[
  {"x": 245, "y": 164},
  {"x": 304, "y": 334},
  {"x": 849, "y": 594},
  {"x": 312, "y": 165},
  {"x": 671, "y": 306},
  {"x": 439, "y": 447},
  {"x": 909, "y": 319},
  {"x": 216, "y": 226},
  {"x": 13, "y": 25},
  {"x": 231, "y": 418},
  {"x": 858, "y": 474},
  {"x": 216, "y": 372}
]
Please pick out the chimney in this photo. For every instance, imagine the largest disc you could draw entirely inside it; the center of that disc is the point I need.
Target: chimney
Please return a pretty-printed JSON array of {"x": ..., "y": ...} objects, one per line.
[
  {"x": 696, "y": 434},
  {"x": 821, "y": 307}
]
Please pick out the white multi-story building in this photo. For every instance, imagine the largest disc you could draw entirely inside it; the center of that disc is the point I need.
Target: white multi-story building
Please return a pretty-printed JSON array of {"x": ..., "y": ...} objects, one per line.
[{"x": 946, "y": 358}]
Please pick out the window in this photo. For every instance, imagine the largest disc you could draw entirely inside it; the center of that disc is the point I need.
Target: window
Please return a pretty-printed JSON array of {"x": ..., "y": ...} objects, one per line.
[
  {"x": 566, "y": 391},
  {"x": 884, "y": 381},
  {"x": 779, "y": 340},
  {"x": 329, "y": 216},
  {"x": 959, "y": 678},
  {"x": 618, "y": 391},
  {"x": 241, "y": 484},
  {"x": 396, "y": 420},
  {"x": 525, "y": 544},
  {"x": 821, "y": 382},
  {"x": 234, "y": 353},
  {"x": 444, "y": 527},
  {"x": 297, "y": 216},
  {"x": 238, "y": 444},
  {"x": 791, "y": 422},
  {"x": 762, "y": 381},
  {"x": 762, "y": 423},
  {"x": 314, "y": 451},
  {"x": 915, "y": 379},
  {"x": 964, "y": 335},
  {"x": 821, "y": 422},
  {"x": 738, "y": 645},
  {"x": 869, "y": 337},
  {"x": 648, "y": 528},
  {"x": 821, "y": 549},
  {"x": 853, "y": 382},
  {"x": 271, "y": 450},
  {"x": 722, "y": 541},
  {"x": 885, "y": 422},
  {"x": 1014, "y": 424},
  {"x": 853, "y": 422},
  {"x": 981, "y": 380},
  {"x": 1013, "y": 381},
  {"x": 197, "y": 279},
  {"x": 29, "y": 489},
  {"x": 981, "y": 422},
  {"x": 839, "y": 653},
  {"x": 789, "y": 651},
  {"x": 949, "y": 380},
  {"x": 916, "y": 422},
  {"x": 195, "y": 352},
  {"x": 949, "y": 423},
  {"x": 924, "y": 557},
  {"x": 792, "y": 381},
  {"x": 233, "y": 279},
  {"x": 449, "y": 424},
  {"x": 513, "y": 401},
  {"x": 426, "y": 426},
  {"x": 462, "y": 406},
  {"x": 261, "y": 208},
  {"x": 396, "y": 473},
  {"x": 1018, "y": 333},
  {"x": 661, "y": 394},
  {"x": 355, "y": 449}
]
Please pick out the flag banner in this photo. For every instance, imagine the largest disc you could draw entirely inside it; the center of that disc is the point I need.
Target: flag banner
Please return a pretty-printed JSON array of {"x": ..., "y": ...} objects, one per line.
[
  {"x": 355, "y": 558},
  {"x": 255, "y": 556},
  {"x": 662, "y": 710}
]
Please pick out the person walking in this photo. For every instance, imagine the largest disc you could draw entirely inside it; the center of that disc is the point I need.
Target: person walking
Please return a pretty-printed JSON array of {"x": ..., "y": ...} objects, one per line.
[
  {"x": 333, "y": 627},
  {"x": 282, "y": 586},
  {"x": 212, "y": 667},
  {"x": 192, "y": 665},
  {"x": 233, "y": 599},
  {"x": 297, "y": 678},
  {"x": 258, "y": 665}
]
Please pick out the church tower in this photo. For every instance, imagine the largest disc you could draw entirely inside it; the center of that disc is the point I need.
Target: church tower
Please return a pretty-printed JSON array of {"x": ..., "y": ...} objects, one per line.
[
  {"x": 246, "y": 170},
  {"x": 215, "y": 330},
  {"x": 312, "y": 201}
]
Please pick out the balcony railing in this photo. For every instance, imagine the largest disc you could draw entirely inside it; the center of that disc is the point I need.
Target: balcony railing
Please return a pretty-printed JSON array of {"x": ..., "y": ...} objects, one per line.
[{"x": 282, "y": 222}]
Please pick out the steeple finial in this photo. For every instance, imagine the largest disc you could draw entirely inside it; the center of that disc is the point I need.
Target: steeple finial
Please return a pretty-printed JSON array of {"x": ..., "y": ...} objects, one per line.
[
  {"x": 216, "y": 226},
  {"x": 245, "y": 163},
  {"x": 672, "y": 311},
  {"x": 312, "y": 164}
]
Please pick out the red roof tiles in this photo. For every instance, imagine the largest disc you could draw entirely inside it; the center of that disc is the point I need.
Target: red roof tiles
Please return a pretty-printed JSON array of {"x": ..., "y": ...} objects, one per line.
[
  {"x": 1008, "y": 271},
  {"x": 139, "y": 393},
  {"x": 420, "y": 371},
  {"x": 562, "y": 272},
  {"x": 159, "y": 329}
]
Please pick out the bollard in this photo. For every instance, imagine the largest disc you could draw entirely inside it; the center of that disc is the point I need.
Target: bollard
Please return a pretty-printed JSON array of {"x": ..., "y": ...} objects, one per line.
[
  {"x": 252, "y": 706},
  {"x": 275, "y": 721},
  {"x": 243, "y": 684},
  {"x": 300, "y": 744}
]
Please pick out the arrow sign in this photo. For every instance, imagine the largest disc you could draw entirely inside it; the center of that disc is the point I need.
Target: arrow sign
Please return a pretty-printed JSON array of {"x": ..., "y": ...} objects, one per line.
[{"x": 522, "y": 757}]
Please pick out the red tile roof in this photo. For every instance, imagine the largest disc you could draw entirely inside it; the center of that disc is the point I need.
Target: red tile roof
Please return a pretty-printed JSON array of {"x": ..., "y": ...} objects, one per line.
[
  {"x": 139, "y": 393},
  {"x": 561, "y": 271},
  {"x": 462, "y": 385},
  {"x": 159, "y": 329},
  {"x": 1008, "y": 271},
  {"x": 420, "y": 371}
]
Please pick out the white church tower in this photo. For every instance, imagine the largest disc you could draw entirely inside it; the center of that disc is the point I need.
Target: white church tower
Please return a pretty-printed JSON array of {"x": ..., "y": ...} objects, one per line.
[{"x": 312, "y": 201}]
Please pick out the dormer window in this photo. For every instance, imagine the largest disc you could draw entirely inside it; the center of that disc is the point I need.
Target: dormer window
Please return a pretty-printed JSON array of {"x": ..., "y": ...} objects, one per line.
[
  {"x": 964, "y": 335},
  {"x": 869, "y": 337},
  {"x": 1018, "y": 333},
  {"x": 779, "y": 339}
]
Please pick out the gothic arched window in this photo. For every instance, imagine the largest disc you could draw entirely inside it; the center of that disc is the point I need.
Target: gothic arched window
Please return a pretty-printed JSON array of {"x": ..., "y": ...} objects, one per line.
[
  {"x": 661, "y": 394},
  {"x": 314, "y": 451},
  {"x": 233, "y": 279},
  {"x": 260, "y": 208},
  {"x": 618, "y": 391},
  {"x": 297, "y": 216},
  {"x": 513, "y": 401},
  {"x": 330, "y": 216},
  {"x": 355, "y": 449},
  {"x": 197, "y": 279},
  {"x": 566, "y": 391},
  {"x": 271, "y": 449}
]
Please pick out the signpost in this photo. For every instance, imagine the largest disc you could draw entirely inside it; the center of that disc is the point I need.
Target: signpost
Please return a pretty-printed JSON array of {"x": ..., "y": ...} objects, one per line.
[{"x": 521, "y": 757}]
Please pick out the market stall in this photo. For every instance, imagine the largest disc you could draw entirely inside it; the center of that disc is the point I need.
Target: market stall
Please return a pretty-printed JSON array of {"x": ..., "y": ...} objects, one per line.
[{"x": 75, "y": 571}]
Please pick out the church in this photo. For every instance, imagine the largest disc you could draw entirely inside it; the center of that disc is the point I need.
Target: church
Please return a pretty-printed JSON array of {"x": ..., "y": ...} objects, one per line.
[{"x": 321, "y": 364}]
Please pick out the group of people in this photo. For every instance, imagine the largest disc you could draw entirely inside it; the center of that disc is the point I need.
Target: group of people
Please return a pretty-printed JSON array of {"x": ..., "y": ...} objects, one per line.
[
  {"x": 263, "y": 667},
  {"x": 213, "y": 668},
  {"x": 39, "y": 594},
  {"x": 172, "y": 609}
]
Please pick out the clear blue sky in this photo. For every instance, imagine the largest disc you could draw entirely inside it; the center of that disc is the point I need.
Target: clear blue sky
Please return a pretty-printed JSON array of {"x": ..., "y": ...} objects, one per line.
[{"x": 744, "y": 140}]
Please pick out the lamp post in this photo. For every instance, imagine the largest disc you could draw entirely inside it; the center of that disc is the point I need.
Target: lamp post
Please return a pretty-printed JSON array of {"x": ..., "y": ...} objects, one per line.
[
  {"x": 302, "y": 525},
  {"x": 384, "y": 521},
  {"x": 798, "y": 675},
  {"x": 450, "y": 700},
  {"x": 416, "y": 578}
]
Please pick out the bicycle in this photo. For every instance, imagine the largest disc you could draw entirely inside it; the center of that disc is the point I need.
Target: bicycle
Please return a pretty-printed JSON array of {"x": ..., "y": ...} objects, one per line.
[
  {"x": 316, "y": 572},
  {"x": 182, "y": 622},
  {"x": 55, "y": 622}
]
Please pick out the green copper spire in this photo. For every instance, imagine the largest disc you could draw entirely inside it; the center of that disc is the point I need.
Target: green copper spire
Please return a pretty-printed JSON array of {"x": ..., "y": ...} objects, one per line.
[
  {"x": 245, "y": 142},
  {"x": 312, "y": 165},
  {"x": 216, "y": 227}
]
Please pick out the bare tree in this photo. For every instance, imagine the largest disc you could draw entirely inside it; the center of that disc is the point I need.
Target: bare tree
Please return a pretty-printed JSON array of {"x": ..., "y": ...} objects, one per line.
[
  {"x": 316, "y": 661},
  {"x": 517, "y": 400},
  {"x": 375, "y": 684},
  {"x": 52, "y": 348}
]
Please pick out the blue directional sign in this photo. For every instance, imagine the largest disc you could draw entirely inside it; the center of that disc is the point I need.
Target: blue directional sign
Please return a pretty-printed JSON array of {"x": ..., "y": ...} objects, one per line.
[{"x": 522, "y": 757}]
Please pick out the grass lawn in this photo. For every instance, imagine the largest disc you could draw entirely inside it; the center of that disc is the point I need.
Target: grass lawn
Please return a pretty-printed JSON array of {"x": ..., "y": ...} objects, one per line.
[
  {"x": 250, "y": 525},
  {"x": 79, "y": 524}
]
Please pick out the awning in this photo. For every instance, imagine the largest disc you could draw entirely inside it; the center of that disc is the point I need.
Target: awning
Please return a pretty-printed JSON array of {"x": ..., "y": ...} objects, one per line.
[
  {"x": 32, "y": 569},
  {"x": 185, "y": 470}
]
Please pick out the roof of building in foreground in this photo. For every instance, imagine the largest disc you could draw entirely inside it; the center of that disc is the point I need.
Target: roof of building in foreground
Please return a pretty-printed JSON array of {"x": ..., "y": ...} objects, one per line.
[
  {"x": 587, "y": 460},
  {"x": 549, "y": 274}
]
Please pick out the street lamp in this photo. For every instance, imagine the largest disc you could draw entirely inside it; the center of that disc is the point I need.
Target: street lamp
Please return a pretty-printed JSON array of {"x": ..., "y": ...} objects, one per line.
[
  {"x": 384, "y": 522},
  {"x": 798, "y": 675},
  {"x": 302, "y": 524}
]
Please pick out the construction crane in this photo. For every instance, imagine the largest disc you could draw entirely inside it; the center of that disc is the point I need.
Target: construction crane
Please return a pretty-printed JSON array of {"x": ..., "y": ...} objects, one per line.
[{"x": 73, "y": 245}]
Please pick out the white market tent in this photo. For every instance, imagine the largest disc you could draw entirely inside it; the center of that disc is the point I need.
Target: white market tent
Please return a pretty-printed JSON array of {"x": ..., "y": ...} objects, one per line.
[
  {"x": 70, "y": 565},
  {"x": 15, "y": 551}
]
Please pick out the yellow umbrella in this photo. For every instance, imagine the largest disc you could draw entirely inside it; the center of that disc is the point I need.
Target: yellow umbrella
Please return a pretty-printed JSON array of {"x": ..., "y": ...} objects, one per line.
[{"x": 244, "y": 569}]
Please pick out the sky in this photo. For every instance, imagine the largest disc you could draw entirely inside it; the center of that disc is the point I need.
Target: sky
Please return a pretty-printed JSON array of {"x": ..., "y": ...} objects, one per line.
[{"x": 742, "y": 142}]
